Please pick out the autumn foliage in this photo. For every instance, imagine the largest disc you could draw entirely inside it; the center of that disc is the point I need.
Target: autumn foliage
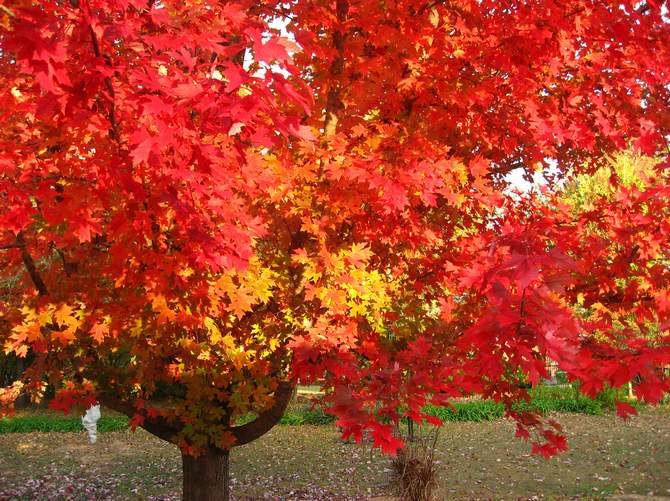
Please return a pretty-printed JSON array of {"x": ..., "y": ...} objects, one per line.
[{"x": 198, "y": 211}]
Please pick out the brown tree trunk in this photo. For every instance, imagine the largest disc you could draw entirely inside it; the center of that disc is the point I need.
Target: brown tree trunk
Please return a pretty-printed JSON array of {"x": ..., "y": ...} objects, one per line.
[{"x": 206, "y": 477}]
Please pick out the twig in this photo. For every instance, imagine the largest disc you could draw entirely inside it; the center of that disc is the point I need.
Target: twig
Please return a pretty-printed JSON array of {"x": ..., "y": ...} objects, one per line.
[
  {"x": 30, "y": 266},
  {"x": 108, "y": 84},
  {"x": 333, "y": 100},
  {"x": 11, "y": 246},
  {"x": 521, "y": 312},
  {"x": 7, "y": 11}
]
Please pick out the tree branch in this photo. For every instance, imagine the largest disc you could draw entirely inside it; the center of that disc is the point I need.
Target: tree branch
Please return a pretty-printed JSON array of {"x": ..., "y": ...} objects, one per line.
[
  {"x": 7, "y": 11},
  {"x": 333, "y": 100},
  {"x": 11, "y": 246},
  {"x": 30, "y": 266},
  {"x": 68, "y": 267},
  {"x": 158, "y": 426},
  {"x": 266, "y": 420},
  {"x": 114, "y": 132},
  {"x": 522, "y": 307}
]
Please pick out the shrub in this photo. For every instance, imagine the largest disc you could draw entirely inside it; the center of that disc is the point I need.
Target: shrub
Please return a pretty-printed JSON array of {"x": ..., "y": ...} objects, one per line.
[
  {"x": 475, "y": 410},
  {"x": 316, "y": 417},
  {"x": 414, "y": 469}
]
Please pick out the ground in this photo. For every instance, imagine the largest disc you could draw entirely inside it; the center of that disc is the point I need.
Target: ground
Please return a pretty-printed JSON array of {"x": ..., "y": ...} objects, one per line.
[{"x": 608, "y": 458}]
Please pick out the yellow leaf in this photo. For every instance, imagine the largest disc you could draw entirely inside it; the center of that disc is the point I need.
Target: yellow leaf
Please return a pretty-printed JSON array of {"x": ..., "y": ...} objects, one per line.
[
  {"x": 241, "y": 302},
  {"x": 136, "y": 330},
  {"x": 65, "y": 315},
  {"x": 213, "y": 329}
]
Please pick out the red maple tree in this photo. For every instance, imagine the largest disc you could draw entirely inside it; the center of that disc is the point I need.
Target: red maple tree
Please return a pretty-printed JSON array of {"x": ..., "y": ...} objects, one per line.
[{"x": 198, "y": 211}]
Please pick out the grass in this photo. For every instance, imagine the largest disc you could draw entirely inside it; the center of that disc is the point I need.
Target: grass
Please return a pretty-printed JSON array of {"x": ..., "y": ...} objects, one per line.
[
  {"x": 476, "y": 461},
  {"x": 475, "y": 411},
  {"x": 544, "y": 399},
  {"x": 306, "y": 416},
  {"x": 50, "y": 423}
]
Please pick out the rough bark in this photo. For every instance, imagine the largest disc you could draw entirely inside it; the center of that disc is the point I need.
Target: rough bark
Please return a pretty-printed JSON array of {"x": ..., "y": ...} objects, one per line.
[{"x": 206, "y": 477}]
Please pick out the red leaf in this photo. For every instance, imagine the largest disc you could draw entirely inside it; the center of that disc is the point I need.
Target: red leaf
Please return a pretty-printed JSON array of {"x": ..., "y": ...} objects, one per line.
[
  {"x": 522, "y": 432},
  {"x": 83, "y": 230},
  {"x": 625, "y": 410},
  {"x": 187, "y": 90},
  {"x": 140, "y": 154},
  {"x": 156, "y": 105},
  {"x": 479, "y": 166},
  {"x": 270, "y": 51},
  {"x": 137, "y": 420},
  {"x": 433, "y": 420},
  {"x": 386, "y": 441}
]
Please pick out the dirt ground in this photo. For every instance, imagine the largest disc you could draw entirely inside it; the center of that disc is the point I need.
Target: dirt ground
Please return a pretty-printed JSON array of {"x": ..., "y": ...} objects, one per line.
[{"x": 608, "y": 459}]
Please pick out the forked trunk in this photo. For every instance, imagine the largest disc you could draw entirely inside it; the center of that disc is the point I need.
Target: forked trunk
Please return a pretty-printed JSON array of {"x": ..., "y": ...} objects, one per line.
[{"x": 206, "y": 477}]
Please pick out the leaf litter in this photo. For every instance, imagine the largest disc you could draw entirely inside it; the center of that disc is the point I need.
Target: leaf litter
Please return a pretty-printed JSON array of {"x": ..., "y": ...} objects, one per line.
[{"x": 608, "y": 457}]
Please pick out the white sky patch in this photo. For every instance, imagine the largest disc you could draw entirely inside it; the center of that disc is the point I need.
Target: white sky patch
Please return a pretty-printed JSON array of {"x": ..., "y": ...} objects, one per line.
[
  {"x": 280, "y": 24},
  {"x": 519, "y": 184}
]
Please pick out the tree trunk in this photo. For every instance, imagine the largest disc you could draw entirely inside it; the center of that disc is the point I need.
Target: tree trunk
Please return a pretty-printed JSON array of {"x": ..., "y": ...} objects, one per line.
[
  {"x": 410, "y": 429},
  {"x": 206, "y": 477}
]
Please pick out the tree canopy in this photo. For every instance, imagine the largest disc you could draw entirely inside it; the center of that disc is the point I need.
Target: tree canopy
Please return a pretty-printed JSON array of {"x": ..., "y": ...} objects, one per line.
[{"x": 199, "y": 209}]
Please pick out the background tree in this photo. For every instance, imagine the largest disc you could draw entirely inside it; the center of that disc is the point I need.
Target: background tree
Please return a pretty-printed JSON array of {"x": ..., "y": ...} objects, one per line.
[
  {"x": 202, "y": 212},
  {"x": 620, "y": 175}
]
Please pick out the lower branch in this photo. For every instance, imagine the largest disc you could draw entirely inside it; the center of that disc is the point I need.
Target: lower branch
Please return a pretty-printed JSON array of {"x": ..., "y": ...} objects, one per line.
[
  {"x": 158, "y": 426},
  {"x": 266, "y": 420}
]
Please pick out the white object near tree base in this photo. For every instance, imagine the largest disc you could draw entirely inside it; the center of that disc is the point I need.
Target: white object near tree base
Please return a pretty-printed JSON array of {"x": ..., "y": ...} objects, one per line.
[{"x": 89, "y": 422}]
